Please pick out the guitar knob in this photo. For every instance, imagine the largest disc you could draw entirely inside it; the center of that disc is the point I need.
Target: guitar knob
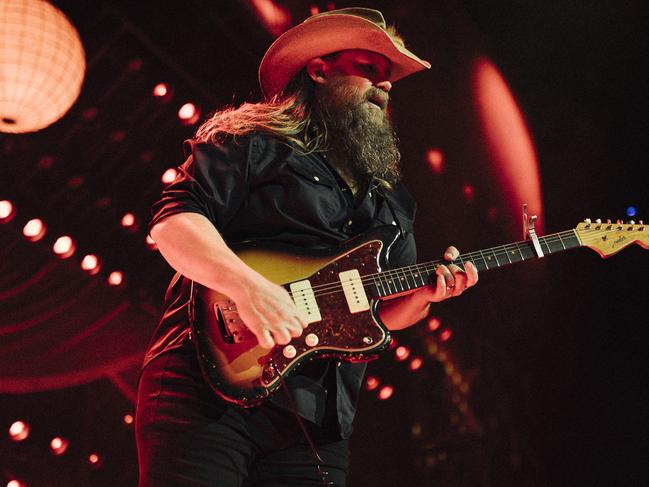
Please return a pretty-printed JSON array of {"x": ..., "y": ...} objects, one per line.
[
  {"x": 289, "y": 351},
  {"x": 311, "y": 339}
]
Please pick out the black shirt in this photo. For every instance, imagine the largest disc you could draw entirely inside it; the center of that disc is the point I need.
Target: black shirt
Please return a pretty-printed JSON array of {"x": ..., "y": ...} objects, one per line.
[{"x": 258, "y": 188}]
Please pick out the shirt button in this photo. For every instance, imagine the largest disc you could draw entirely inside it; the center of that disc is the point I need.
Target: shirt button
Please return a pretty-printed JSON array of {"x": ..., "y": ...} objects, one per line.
[
  {"x": 316, "y": 178},
  {"x": 370, "y": 194},
  {"x": 349, "y": 223},
  {"x": 393, "y": 222},
  {"x": 339, "y": 364}
]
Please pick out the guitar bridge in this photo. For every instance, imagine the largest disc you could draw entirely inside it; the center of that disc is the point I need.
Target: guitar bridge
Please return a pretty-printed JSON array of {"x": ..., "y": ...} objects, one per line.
[{"x": 232, "y": 329}]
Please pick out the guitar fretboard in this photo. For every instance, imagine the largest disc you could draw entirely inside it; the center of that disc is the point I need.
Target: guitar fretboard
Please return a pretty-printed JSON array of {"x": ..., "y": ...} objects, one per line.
[{"x": 409, "y": 278}]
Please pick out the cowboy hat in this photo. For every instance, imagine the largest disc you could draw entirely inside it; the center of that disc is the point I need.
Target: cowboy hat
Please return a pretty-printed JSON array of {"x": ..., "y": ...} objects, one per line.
[{"x": 329, "y": 32}]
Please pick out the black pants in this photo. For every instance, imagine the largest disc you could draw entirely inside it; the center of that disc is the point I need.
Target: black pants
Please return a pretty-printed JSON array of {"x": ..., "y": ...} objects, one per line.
[{"x": 186, "y": 436}]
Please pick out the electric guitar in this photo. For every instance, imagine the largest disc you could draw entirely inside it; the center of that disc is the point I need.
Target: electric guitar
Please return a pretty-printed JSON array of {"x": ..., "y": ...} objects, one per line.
[{"x": 339, "y": 291}]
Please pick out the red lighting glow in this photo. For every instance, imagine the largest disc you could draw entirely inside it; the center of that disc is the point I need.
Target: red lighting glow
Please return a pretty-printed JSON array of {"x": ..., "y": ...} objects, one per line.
[
  {"x": 34, "y": 229},
  {"x": 90, "y": 264},
  {"x": 169, "y": 175},
  {"x": 434, "y": 323},
  {"x": 128, "y": 419},
  {"x": 415, "y": 363},
  {"x": 508, "y": 142},
  {"x": 64, "y": 247},
  {"x": 435, "y": 158},
  {"x": 371, "y": 382},
  {"x": 115, "y": 278},
  {"x": 151, "y": 243},
  {"x": 160, "y": 90},
  {"x": 468, "y": 192},
  {"x": 15, "y": 483},
  {"x": 189, "y": 114},
  {"x": 386, "y": 392},
  {"x": 128, "y": 221},
  {"x": 275, "y": 18},
  {"x": 402, "y": 353},
  {"x": 19, "y": 430},
  {"x": 94, "y": 460},
  {"x": 7, "y": 211},
  {"x": 445, "y": 335},
  {"x": 58, "y": 445}
]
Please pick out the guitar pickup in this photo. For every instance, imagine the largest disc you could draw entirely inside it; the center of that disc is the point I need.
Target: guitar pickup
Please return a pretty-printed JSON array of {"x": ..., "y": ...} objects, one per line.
[{"x": 354, "y": 291}]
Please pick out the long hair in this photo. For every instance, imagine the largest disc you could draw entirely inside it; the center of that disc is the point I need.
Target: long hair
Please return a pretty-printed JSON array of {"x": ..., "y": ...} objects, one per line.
[{"x": 288, "y": 116}]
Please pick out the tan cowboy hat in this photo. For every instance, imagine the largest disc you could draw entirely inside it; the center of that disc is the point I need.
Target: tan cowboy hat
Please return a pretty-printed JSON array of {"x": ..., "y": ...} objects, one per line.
[{"x": 329, "y": 32}]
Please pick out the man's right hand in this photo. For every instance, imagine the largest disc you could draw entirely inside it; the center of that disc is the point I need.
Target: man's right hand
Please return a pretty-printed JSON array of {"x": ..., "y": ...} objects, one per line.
[{"x": 268, "y": 311}]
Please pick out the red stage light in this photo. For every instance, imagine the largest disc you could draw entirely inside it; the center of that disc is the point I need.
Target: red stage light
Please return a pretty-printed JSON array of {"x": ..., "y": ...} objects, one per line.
[
  {"x": 314, "y": 10},
  {"x": 468, "y": 192},
  {"x": 275, "y": 18},
  {"x": 7, "y": 211},
  {"x": 151, "y": 243},
  {"x": 433, "y": 323},
  {"x": 169, "y": 175},
  {"x": 128, "y": 419},
  {"x": 372, "y": 382},
  {"x": 115, "y": 278},
  {"x": 386, "y": 392},
  {"x": 160, "y": 90},
  {"x": 189, "y": 114},
  {"x": 19, "y": 430},
  {"x": 402, "y": 353},
  {"x": 94, "y": 460},
  {"x": 58, "y": 445},
  {"x": 435, "y": 159},
  {"x": 34, "y": 229},
  {"x": 90, "y": 264},
  {"x": 64, "y": 247},
  {"x": 15, "y": 483},
  {"x": 445, "y": 335},
  {"x": 416, "y": 363},
  {"x": 128, "y": 221}
]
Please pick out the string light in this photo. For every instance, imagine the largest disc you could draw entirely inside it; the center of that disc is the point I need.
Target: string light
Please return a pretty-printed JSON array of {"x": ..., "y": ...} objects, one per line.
[
  {"x": 189, "y": 114},
  {"x": 64, "y": 247},
  {"x": 34, "y": 229},
  {"x": 116, "y": 278},
  {"x": 58, "y": 445},
  {"x": 169, "y": 175},
  {"x": 402, "y": 353},
  {"x": 386, "y": 392},
  {"x": 19, "y": 430},
  {"x": 7, "y": 211},
  {"x": 90, "y": 263},
  {"x": 372, "y": 382}
]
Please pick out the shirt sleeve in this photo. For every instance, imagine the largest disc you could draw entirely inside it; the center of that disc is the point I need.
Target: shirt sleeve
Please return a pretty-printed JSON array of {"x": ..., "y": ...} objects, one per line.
[{"x": 211, "y": 182}]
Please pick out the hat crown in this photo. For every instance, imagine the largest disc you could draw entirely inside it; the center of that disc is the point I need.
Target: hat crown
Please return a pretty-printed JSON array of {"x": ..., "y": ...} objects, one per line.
[{"x": 370, "y": 14}]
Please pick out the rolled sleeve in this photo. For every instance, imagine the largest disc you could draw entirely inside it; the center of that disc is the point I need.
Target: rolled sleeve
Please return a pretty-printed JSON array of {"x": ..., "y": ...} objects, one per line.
[{"x": 211, "y": 182}]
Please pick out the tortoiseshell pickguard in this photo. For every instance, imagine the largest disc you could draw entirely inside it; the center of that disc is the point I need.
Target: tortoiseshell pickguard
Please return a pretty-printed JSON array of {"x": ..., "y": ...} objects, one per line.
[{"x": 241, "y": 371}]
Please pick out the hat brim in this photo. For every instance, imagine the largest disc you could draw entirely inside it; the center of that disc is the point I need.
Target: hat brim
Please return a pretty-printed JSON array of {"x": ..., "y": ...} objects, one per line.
[{"x": 318, "y": 37}]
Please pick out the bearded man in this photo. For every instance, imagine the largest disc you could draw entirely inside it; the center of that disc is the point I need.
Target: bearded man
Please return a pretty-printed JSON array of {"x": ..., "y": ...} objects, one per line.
[{"x": 312, "y": 166}]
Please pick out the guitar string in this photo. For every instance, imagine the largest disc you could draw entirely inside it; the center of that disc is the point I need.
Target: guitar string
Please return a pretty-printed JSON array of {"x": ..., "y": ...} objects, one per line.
[
  {"x": 337, "y": 287},
  {"x": 477, "y": 255}
]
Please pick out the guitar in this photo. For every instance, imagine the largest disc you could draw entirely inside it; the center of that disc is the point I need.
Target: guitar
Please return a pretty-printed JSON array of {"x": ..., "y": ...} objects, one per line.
[{"x": 339, "y": 291}]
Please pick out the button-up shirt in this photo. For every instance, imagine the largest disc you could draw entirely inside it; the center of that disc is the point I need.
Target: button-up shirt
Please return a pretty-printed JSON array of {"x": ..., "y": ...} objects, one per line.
[{"x": 257, "y": 188}]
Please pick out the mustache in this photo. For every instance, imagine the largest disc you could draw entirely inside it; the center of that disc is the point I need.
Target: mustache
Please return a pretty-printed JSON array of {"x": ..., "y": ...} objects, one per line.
[{"x": 377, "y": 96}]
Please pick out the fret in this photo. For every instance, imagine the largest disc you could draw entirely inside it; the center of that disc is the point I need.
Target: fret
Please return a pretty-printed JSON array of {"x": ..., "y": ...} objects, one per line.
[
  {"x": 504, "y": 257},
  {"x": 546, "y": 250},
  {"x": 484, "y": 259}
]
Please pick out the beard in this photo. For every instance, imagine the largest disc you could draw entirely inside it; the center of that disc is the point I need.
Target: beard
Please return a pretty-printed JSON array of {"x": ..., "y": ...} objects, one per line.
[{"x": 359, "y": 133}]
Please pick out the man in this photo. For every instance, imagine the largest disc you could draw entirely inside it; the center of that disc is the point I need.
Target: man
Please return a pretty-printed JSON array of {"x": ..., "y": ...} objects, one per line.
[{"x": 312, "y": 166}]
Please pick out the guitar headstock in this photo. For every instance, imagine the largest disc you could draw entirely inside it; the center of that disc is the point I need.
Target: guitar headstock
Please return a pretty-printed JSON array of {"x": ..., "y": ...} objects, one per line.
[{"x": 610, "y": 237}]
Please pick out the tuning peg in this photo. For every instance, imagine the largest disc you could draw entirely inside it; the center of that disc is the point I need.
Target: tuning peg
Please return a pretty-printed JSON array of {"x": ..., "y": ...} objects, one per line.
[
  {"x": 587, "y": 222},
  {"x": 598, "y": 221},
  {"x": 641, "y": 225},
  {"x": 608, "y": 224}
]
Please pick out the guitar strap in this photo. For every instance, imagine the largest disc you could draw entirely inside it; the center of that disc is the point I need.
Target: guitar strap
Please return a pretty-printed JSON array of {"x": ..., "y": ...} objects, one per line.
[{"x": 402, "y": 234}]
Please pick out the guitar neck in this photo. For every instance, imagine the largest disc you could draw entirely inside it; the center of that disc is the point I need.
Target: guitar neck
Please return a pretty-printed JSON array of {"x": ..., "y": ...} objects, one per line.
[{"x": 404, "y": 279}]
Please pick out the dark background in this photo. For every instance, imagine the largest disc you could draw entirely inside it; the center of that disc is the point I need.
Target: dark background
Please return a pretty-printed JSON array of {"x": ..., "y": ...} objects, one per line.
[{"x": 555, "y": 351}]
